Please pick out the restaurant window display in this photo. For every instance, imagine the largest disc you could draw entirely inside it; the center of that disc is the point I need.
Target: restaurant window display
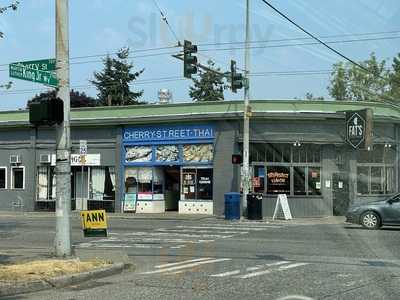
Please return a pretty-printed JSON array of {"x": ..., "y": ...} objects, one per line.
[{"x": 286, "y": 169}]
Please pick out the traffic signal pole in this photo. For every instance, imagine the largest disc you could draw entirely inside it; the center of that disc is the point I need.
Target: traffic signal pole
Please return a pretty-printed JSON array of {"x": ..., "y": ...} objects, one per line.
[
  {"x": 63, "y": 165},
  {"x": 245, "y": 178}
]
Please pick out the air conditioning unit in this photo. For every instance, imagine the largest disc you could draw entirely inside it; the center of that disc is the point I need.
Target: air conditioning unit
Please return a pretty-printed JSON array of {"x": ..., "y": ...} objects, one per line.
[
  {"x": 15, "y": 159},
  {"x": 45, "y": 158}
]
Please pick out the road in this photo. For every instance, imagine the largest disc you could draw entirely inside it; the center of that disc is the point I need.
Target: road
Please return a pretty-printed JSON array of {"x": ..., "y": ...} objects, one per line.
[{"x": 210, "y": 258}]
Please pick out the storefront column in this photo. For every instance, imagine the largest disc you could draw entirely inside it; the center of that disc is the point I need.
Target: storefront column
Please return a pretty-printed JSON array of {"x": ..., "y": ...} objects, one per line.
[
  {"x": 352, "y": 157},
  {"x": 119, "y": 193}
]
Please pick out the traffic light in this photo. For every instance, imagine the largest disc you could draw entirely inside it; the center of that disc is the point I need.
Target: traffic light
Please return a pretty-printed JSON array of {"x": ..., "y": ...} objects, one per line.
[
  {"x": 189, "y": 61},
  {"x": 47, "y": 111},
  {"x": 236, "y": 78},
  {"x": 237, "y": 159}
]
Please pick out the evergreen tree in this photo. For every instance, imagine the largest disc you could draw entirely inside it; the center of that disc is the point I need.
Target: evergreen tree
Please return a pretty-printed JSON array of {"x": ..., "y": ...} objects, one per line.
[
  {"x": 113, "y": 83},
  {"x": 209, "y": 87}
]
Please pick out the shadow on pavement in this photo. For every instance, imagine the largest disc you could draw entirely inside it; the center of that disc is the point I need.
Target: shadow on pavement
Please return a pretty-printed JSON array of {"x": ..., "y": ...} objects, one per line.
[{"x": 381, "y": 229}]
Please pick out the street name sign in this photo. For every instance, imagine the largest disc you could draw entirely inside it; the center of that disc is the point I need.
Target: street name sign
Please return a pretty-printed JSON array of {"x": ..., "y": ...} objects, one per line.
[
  {"x": 41, "y": 65},
  {"x": 41, "y": 71}
]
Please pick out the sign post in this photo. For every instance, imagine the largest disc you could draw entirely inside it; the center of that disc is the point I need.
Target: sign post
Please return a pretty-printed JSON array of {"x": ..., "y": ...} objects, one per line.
[{"x": 82, "y": 152}]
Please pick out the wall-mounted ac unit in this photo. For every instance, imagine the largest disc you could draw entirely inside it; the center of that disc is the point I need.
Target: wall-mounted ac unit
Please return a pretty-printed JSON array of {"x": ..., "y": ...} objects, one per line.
[
  {"x": 15, "y": 159},
  {"x": 45, "y": 158}
]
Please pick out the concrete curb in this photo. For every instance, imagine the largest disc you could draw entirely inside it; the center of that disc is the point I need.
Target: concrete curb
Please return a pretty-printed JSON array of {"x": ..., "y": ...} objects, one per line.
[{"x": 12, "y": 289}]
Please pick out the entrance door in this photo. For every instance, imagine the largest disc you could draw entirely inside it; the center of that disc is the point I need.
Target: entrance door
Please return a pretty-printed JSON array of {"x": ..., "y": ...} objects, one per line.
[
  {"x": 341, "y": 199},
  {"x": 172, "y": 188}
]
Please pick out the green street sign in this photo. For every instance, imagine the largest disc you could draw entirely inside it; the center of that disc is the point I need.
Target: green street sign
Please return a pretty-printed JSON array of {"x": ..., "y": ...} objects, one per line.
[
  {"x": 19, "y": 71},
  {"x": 41, "y": 65}
]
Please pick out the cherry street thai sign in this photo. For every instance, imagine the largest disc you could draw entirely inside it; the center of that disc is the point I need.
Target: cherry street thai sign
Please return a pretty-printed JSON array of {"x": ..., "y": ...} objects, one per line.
[{"x": 359, "y": 128}]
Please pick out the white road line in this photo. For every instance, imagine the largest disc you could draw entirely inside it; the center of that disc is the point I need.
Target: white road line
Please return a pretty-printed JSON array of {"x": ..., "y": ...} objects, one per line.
[
  {"x": 254, "y": 268},
  {"x": 187, "y": 266},
  {"x": 181, "y": 232},
  {"x": 222, "y": 228},
  {"x": 226, "y": 273},
  {"x": 259, "y": 273},
  {"x": 292, "y": 266},
  {"x": 182, "y": 262}
]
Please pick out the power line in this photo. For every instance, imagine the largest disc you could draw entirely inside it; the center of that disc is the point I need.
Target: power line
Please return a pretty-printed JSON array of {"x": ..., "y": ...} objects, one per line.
[
  {"x": 236, "y": 48},
  {"x": 300, "y": 44},
  {"x": 301, "y": 38},
  {"x": 314, "y": 37},
  {"x": 164, "y": 18}
]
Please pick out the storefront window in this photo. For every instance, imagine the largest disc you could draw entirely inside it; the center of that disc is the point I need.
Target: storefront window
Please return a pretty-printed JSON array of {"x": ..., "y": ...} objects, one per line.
[
  {"x": 258, "y": 179},
  {"x": 200, "y": 153},
  {"x": 189, "y": 183},
  {"x": 138, "y": 154},
  {"x": 314, "y": 181},
  {"x": 278, "y": 180},
  {"x": 204, "y": 184},
  {"x": 197, "y": 183},
  {"x": 167, "y": 153},
  {"x": 158, "y": 184},
  {"x": 102, "y": 183},
  {"x": 18, "y": 177},
  {"x": 299, "y": 180},
  {"x": 375, "y": 180}
]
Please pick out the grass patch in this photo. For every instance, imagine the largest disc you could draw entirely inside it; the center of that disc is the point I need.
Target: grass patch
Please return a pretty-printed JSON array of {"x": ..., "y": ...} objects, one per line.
[{"x": 45, "y": 269}]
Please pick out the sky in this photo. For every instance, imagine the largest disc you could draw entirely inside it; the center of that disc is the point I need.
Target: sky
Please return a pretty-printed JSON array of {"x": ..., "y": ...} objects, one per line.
[{"x": 100, "y": 27}]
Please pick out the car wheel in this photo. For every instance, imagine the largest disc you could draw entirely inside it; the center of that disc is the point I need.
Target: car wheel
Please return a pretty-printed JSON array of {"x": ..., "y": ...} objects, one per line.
[{"x": 370, "y": 220}]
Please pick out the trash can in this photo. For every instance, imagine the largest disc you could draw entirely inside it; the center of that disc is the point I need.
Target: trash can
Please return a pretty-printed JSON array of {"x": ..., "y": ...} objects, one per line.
[
  {"x": 254, "y": 206},
  {"x": 232, "y": 206}
]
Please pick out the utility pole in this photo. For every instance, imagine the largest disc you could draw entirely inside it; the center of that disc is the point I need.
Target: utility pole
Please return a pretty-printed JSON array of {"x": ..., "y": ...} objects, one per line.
[
  {"x": 245, "y": 178},
  {"x": 63, "y": 166}
]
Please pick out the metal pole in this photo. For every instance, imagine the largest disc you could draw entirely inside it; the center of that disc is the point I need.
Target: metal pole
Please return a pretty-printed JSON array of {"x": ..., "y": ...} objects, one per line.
[
  {"x": 63, "y": 166},
  {"x": 246, "y": 113}
]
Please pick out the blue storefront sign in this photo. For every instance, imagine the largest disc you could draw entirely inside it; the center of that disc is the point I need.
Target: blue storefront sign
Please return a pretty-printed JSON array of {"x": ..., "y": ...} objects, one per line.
[
  {"x": 168, "y": 145},
  {"x": 162, "y": 134}
]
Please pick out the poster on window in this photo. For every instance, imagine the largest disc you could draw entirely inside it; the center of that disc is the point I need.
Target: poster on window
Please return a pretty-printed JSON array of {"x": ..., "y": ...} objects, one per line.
[
  {"x": 198, "y": 153},
  {"x": 135, "y": 154},
  {"x": 167, "y": 153},
  {"x": 278, "y": 180}
]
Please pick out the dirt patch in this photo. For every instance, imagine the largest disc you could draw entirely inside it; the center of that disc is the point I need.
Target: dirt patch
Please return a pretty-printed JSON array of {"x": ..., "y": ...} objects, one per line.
[{"x": 45, "y": 269}]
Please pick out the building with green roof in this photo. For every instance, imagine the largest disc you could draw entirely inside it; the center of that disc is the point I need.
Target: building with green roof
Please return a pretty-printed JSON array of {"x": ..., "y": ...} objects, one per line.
[{"x": 177, "y": 157}]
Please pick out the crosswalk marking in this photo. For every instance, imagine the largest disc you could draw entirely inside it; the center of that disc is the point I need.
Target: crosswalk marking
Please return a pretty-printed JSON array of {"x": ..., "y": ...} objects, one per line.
[
  {"x": 223, "y": 228},
  {"x": 226, "y": 273},
  {"x": 182, "y": 262},
  {"x": 284, "y": 265},
  {"x": 292, "y": 266},
  {"x": 190, "y": 265}
]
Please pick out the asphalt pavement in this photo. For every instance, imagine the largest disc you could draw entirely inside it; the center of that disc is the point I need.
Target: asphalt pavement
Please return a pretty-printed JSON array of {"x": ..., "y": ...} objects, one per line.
[{"x": 209, "y": 258}]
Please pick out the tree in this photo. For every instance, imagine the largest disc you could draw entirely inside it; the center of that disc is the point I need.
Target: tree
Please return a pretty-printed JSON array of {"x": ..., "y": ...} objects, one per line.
[
  {"x": 338, "y": 87},
  {"x": 78, "y": 99},
  {"x": 310, "y": 96},
  {"x": 13, "y": 5},
  {"x": 210, "y": 86},
  {"x": 113, "y": 83},
  {"x": 394, "y": 79},
  {"x": 350, "y": 82}
]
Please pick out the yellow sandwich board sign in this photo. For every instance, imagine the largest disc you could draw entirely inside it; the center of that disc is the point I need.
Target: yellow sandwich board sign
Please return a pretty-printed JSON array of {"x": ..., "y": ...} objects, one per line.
[{"x": 94, "y": 222}]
